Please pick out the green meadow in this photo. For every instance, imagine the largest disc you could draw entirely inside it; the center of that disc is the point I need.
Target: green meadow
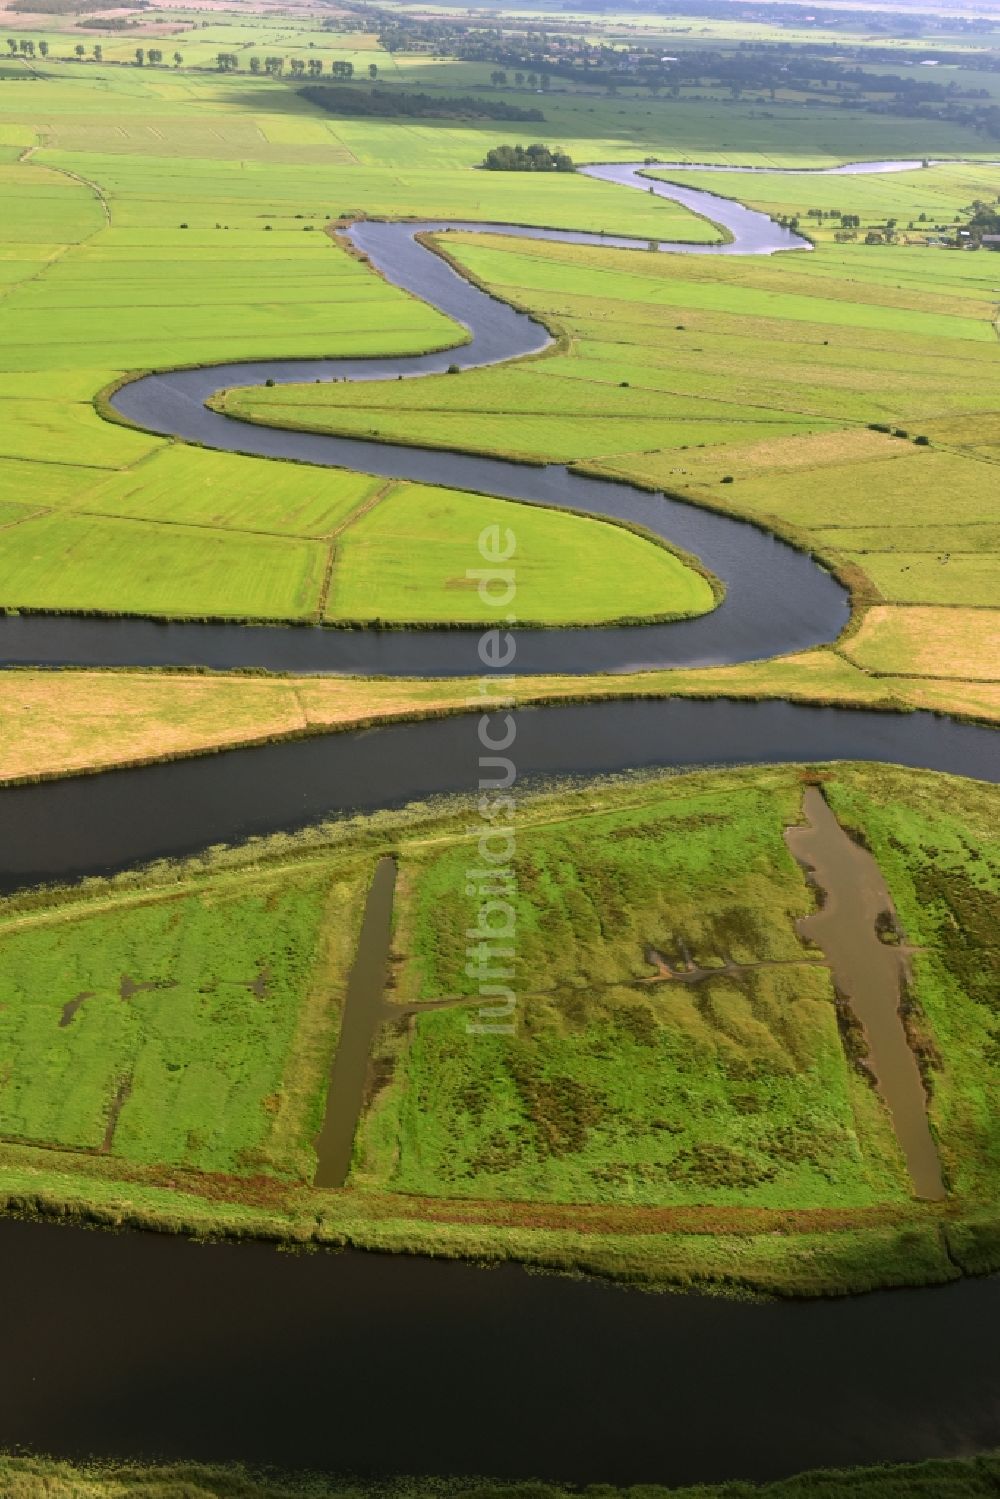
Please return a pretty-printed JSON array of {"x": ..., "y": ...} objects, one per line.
[
  {"x": 407, "y": 558},
  {"x": 177, "y": 1027},
  {"x": 165, "y": 215},
  {"x": 168, "y": 1037},
  {"x": 108, "y": 238},
  {"x": 731, "y": 1092},
  {"x": 801, "y": 381},
  {"x": 202, "y": 535}
]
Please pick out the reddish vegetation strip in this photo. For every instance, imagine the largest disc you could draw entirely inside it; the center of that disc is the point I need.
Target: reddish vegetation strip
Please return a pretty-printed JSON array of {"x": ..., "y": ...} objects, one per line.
[{"x": 269, "y": 1194}]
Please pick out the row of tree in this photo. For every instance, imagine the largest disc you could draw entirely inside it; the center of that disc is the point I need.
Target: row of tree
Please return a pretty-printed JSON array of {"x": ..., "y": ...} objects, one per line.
[
  {"x": 226, "y": 62},
  {"x": 275, "y": 66},
  {"x": 521, "y": 80},
  {"x": 27, "y": 48}
]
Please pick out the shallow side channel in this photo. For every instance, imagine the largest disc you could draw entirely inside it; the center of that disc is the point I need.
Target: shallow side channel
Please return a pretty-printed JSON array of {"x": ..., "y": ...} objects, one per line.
[
  {"x": 868, "y": 972},
  {"x": 364, "y": 1009}
]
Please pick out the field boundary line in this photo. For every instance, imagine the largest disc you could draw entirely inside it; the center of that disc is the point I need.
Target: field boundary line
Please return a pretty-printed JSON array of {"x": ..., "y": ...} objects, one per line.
[
  {"x": 187, "y": 525},
  {"x": 322, "y": 604},
  {"x": 381, "y": 493},
  {"x": 326, "y": 583},
  {"x": 32, "y": 515},
  {"x": 25, "y": 159}
]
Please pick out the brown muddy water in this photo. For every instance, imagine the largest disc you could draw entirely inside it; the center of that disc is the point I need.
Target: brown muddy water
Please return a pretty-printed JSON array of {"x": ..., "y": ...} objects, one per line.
[
  {"x": 868, "y": 972},
  {"x": 365, "y": 1008}
]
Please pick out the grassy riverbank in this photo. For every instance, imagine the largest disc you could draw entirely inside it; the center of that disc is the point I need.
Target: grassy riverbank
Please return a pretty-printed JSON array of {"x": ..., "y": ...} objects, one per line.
[
  {"x": 116, "y": 261},
  {"x": 57, "y": 723},
  {"x": 105, "y": 519},
  {"x": 101, "y": 517},
  {"x": 717, "y": 1133},
  {"x": 34, "y": 1477},
  {"x": 839, "y": 359}
]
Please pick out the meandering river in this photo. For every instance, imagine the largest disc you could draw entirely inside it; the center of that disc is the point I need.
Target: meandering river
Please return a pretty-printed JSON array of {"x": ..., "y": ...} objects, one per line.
[
  {"x": 138, "y": 1345},
  {"x": 778, "y": 599}
]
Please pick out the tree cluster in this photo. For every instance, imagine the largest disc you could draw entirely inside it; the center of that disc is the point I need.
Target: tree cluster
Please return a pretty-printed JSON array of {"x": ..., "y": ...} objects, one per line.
[
  {"x": 985, "y": 219},
  {"x": 536, "y": 158},
  {"x": 383, "y": 104}
]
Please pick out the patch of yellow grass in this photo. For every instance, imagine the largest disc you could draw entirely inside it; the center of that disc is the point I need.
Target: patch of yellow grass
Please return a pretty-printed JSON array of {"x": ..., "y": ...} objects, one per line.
[
  {"x": 929, "y": 642},
  {"x": 55, "y": 723},
  {"x": 774, "y": 455},
  {"x": 972, "y": 699},
  {"x": 61, "y": 723}
]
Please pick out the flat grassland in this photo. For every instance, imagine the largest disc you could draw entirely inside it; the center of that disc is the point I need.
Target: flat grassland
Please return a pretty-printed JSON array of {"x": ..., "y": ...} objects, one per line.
[
  {"x": 786, "y": 389},
  {"x": 921, "y": 204},
  {"x": 173, "y": 1027},
  {"x": 663, "y": 1131},
  {"x": 114, "y": 259},
  {"x": 407, "y": 558},
  {"x": 612, "y": 1090},
  {"x": 215, "y": 535}
]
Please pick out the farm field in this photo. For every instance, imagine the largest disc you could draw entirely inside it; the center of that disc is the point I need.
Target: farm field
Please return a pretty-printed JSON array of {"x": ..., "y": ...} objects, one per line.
[
  {"x": 927, "y": 202},
  {"x": 101, "y": 252},
  {"x": 406, "y": 558},
  {"x": 271, "y": 529},
  {"x": 821, "y": 349},
  {"x": 196, "y": 1009},
  {"x": 99, "y": 204},
  {"x": 725, "y": 1029},
  {"x": 144, "y": 543}
]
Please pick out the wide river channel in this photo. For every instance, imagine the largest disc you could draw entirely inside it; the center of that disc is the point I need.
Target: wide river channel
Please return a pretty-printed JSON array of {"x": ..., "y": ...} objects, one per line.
[{"x": 148, "y": 1346}]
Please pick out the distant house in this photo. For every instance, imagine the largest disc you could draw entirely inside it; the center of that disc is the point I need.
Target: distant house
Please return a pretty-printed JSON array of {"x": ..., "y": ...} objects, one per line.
[{"x": 991, "y": 241}]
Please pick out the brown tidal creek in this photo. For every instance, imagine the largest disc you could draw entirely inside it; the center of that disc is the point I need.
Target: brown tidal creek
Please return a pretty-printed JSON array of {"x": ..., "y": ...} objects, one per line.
[
  {"x": 870, "y": 974},
  {"x": 367, "y": 1006}
]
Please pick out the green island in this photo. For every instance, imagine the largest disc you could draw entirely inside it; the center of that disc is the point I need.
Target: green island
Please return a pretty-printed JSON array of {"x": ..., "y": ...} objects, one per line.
[{"x": 683, "y": 1101}]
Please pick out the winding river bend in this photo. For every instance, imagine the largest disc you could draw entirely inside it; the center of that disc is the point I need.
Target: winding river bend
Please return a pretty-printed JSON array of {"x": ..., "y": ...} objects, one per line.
[
  {"x": 235, "y": 1351},
  {"x": 778, "y": 599}
]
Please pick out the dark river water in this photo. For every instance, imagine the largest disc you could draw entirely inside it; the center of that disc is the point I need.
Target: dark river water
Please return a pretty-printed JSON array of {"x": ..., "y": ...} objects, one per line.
[
  {"x": 145, "y": 1345},
  {"x": 58, "y": 830},
  {"x": 142, "y": 1346},
  {"x": 777, "y": 599}
]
